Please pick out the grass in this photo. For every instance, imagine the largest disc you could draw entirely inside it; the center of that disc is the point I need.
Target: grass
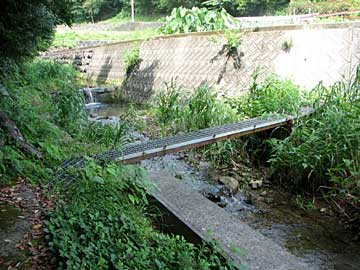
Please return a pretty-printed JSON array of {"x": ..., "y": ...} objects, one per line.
[
  {"x": 71, "y": 39},
  {"x": 323, "y": 150},
  {"x": 176, "y": 112}
]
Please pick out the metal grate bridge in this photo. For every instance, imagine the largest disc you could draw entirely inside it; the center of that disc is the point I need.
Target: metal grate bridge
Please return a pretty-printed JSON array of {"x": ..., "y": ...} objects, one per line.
[{"x": 136, "y": 152}]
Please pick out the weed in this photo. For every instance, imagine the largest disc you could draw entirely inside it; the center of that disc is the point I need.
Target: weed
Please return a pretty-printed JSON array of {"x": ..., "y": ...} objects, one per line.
[
  {"x": 102, "y": 225},
  {"x": 169, "y": 103},
  {"x": 287, "y": 45},
  {"x": 233, "y": 41},
  {"x": 132, "y": 61},
  {"x": 271, "y": 96},
  {"x": 323, "y": 149}
]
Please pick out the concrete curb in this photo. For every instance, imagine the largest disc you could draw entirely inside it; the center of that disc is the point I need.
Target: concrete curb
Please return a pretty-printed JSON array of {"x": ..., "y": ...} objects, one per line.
[{"x": 206, "y": 218}]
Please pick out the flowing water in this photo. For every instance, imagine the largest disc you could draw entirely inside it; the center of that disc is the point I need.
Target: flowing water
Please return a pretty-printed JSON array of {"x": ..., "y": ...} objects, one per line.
[
  {"x": 90, "y": 98},
  {"x": 311, "y": 235}
]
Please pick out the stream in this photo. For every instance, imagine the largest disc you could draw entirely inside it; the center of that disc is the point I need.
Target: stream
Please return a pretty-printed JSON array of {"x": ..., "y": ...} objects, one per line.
[{"x": 312, "y": 235}]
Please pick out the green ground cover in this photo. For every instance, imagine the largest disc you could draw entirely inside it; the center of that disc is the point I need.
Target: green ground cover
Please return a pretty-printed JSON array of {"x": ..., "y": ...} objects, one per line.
[
  {"x": 100, "y": 218},
  {"x": 71, "y": 39}
]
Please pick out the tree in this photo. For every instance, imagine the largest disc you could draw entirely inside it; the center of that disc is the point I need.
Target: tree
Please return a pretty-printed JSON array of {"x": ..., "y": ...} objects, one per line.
[
  {"x": 27, "y": 26},
  {"x": 260, "y": 7}
]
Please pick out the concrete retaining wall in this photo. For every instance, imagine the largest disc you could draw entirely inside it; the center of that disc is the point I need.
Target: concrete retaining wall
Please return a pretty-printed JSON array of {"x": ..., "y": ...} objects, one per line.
[{"x": 320, "y": 52}]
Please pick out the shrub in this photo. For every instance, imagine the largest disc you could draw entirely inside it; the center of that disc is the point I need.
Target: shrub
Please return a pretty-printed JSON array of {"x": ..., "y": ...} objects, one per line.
[
  {"x": 23, "y": 36},
  {"x": 183, "y": 20}
]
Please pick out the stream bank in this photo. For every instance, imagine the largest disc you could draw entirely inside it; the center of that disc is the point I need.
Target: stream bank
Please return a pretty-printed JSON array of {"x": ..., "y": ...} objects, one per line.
[{"x": 313, "y": 235}]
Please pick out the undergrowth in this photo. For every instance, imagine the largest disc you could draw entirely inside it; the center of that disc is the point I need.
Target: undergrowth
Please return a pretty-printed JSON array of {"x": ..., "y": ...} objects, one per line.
[
  {"x": 100, "y": 219},
  {"x": 47, "y": 107},
  {"x": 323, "y": 150},
  {"x": 175, "y": 112},
  {"x": 102, "y": 224},
  {"x": 273, "y": 95}
]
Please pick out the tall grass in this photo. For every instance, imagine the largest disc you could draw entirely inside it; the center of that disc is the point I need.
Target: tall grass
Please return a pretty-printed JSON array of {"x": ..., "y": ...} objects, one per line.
[
  {"x": 176, "y": 112},
  {"x": 324, "y": 149},
  {"x": 273, "y": 95},
  {"x": 201, "y": 109}
]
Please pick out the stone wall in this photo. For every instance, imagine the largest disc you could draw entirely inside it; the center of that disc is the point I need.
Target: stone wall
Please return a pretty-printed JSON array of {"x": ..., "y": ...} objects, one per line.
[{"x": 321, "y": 52}]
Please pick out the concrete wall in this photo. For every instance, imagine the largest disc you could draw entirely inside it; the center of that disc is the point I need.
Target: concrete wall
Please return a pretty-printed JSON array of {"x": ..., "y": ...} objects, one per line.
[{"x": 320, "y": 52}]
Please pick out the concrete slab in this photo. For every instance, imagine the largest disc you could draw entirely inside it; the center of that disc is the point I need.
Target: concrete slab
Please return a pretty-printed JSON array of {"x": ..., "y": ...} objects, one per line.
[{"x": 208, "y": 220}]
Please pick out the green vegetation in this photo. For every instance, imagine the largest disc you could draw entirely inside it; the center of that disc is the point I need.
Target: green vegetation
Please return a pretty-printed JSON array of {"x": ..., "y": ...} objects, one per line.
[
  {"x": 97, "y": 10},
  {"x": 273, "y": 95},
  {"x": 183, "y": 20},
  {"x": 101, "y": 220},
  {"x": 102, "y": 224},
  {"x": 323, "y": 6},
  {"x": 21, "y": 37},
  {"x": 323, "y": 150},
  {"x": 48, "y": 109},
  {"x": 233, "y": 41},
  {"x": 202, "y": 109},
  {"x": 71, "y": 39},
  {"x": 131, "y": 60},
  {"x": 177, "y": 113}
]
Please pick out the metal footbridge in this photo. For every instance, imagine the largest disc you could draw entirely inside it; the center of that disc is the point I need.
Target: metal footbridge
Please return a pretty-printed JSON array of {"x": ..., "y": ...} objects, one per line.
[{"x": 136, "y": 152}]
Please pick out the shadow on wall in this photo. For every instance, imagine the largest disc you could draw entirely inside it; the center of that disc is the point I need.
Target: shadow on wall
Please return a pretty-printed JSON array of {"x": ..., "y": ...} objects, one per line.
[
  {"x": 104, "y": 71},
  {"x": 139, "y": 84},
  {"x": 230, "y": 53}
]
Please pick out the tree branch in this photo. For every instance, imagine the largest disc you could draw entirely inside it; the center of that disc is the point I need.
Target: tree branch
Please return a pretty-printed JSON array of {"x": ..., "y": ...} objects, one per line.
[{"x": 10, "y": 127}]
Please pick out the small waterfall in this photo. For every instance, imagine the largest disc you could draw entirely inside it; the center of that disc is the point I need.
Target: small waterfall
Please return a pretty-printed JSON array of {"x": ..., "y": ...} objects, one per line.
[{"x": 90, "y": 98}]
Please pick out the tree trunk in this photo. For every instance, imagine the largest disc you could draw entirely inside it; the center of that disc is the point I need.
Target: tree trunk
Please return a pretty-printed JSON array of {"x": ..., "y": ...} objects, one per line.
[{"x": 10, "y": 127}]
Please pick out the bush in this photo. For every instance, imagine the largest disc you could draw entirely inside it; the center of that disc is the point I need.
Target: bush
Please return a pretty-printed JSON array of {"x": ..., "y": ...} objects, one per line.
[
  {"x": 324, "y": 149},
  {"x": 271, "y": 96},
  {"x": 183, "y": 20},
  {"x": 102, "y": 225}
]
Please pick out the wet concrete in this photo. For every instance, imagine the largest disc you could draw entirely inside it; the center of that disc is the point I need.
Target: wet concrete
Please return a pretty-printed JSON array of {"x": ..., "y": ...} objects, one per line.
[{"x": 13, "y": 226}]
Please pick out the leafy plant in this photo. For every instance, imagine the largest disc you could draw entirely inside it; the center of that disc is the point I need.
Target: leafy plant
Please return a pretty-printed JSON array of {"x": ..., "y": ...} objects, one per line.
[
  {"x": 169, "y": 103},
  {"x": 102, "y": 225},
  {"x": 287, "y": 45},
  {"x": 183, "y": 20},
  {"x": 233, "y": 41},
  {"x": 323, "y": 150},
  {"x": 132, "y": 60},
  {"x": 273, "y": 95}
]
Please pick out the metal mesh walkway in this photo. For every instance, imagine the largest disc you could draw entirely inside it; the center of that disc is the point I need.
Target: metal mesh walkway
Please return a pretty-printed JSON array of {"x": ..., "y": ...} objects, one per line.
[{"x": 139, "y": 151}]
